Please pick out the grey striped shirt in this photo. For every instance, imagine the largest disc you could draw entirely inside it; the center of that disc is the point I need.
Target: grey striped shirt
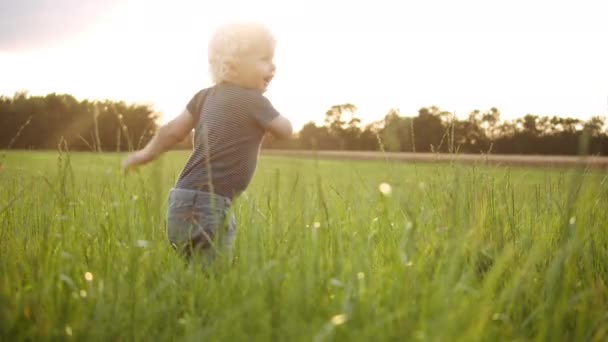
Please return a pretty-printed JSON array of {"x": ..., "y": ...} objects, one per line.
[{"x": 230, "y": 122}]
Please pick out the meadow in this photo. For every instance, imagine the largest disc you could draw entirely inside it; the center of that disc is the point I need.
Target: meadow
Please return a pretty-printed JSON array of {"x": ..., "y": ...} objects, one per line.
[{"x": 325, "y": 251}]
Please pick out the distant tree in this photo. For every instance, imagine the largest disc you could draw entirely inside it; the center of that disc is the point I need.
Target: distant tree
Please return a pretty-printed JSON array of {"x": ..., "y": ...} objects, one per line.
[
  {"x": 429, "y": 131},
  {"x": 343, "y": 125},
  {"x": 396, "y": 132},
  {"x": 595, "y": 125},
  {"x": 489, "y": 123},
  {"x": 315, "y": 137},
  {"x": 43, "y": 122},
  {"x": 369, "y": 139}
]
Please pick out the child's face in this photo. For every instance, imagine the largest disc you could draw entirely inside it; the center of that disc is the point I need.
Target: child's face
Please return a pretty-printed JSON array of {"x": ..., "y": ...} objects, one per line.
[{"x": 256, "y": 70}]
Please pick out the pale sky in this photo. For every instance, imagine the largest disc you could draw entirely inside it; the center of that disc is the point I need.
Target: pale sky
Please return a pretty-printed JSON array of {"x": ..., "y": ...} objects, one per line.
[{"x": 537, "y": 56}]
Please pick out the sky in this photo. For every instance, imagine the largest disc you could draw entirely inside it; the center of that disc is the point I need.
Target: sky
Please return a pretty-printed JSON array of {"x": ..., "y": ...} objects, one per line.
[{"x": 536, "y": 56}]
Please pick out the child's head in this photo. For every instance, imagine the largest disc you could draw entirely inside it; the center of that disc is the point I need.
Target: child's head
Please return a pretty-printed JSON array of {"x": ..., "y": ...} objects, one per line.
[{"x": 242, "y": 53}]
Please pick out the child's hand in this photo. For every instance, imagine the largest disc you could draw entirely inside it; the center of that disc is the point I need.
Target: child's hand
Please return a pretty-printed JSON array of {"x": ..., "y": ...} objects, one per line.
[{"x": 133, "y": 159}]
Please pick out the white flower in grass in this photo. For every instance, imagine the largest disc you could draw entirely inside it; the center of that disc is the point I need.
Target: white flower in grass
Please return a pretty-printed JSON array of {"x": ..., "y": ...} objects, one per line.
[
  {"x": 338, "y": 319},
  {"x": 335, "y": 282},
  {"x": 83, "y": 293},
  {"x": 88, "y": 276},
  {"x": 68, "y": 330},
  {"x": 498, "y": 316},
  {"x": 360, "y": 275},
  {"x": 572, "y": 220},
  {"x": 385, "y": 189},
  {"x": 142, "y": 243},
  {"x": 317, "y": 225},
  {"x": 65, "y": 255}
]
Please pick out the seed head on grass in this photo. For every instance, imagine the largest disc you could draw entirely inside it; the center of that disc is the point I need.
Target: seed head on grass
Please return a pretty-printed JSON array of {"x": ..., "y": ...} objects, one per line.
[
  {"x": 338, "y": 319},
  {"x": 385, "y": 189},
  {"x": 142, "y": 243}
]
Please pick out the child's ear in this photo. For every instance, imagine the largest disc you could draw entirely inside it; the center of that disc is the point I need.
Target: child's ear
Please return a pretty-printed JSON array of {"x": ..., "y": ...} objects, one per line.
[
  {"x": 229, "y": 69},
  {"x": 231, "y": 65}
]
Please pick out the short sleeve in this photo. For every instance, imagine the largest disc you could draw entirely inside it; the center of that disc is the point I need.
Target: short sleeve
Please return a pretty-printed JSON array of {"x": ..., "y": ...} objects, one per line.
[
  {"x": 195, "y": 106},
  {"x": 262, "y": 110}
]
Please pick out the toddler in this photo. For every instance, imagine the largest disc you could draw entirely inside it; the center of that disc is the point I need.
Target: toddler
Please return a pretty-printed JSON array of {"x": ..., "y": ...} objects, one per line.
[{"x": 229, "y": 120}]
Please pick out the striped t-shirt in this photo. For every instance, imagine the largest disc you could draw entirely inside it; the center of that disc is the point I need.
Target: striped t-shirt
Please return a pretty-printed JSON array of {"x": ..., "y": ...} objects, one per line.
[{"x": 230, "y": 122}]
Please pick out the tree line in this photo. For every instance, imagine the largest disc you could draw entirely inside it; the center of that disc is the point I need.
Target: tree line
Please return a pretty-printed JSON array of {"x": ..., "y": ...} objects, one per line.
[
  {"x": 435, "y": 130},
  {"x": 59, "y": 120}
]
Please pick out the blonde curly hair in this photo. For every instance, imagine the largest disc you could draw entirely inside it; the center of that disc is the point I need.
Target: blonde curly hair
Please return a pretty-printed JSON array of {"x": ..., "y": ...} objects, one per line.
[{"x": 231, "y": 42}]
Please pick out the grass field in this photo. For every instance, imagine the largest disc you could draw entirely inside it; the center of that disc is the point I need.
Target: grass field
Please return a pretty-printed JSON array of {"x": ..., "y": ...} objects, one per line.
[{"x": 453, "y": 253}]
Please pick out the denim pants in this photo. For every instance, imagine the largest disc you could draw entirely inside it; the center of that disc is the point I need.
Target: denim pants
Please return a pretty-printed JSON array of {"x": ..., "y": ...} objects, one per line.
[{"x": 200, "y": 223}]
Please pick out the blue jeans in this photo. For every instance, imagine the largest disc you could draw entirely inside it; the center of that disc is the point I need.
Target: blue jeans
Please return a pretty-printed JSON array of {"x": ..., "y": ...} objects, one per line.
[{"x": 200, "y": 223}]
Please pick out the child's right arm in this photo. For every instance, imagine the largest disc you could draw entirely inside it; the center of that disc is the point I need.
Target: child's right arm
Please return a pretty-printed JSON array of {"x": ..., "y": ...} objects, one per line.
[{"x": 168, "y": 135}]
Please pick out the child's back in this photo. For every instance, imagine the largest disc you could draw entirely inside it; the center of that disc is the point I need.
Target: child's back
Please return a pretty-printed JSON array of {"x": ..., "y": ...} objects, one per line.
[{"x": 230, "y": 122}]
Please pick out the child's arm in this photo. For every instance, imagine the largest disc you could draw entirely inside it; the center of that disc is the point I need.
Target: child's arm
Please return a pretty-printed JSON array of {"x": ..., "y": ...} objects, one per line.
[
  {"x": 168, "y": 135},
  {"x": 280, "y": 127}
]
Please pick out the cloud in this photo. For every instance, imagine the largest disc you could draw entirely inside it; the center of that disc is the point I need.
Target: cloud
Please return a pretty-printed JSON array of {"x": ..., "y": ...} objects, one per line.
[{"x": 27, "y": 24}]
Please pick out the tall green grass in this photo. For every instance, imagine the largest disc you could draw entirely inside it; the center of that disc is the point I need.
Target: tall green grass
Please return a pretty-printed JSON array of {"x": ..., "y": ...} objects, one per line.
[{"x": 453, "y": 253}]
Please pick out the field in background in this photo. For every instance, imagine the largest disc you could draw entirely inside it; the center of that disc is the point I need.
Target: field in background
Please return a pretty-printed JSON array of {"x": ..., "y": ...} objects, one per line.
[
  {"x": 597, "y": 162},
  {"x": 448, "y": 252}
]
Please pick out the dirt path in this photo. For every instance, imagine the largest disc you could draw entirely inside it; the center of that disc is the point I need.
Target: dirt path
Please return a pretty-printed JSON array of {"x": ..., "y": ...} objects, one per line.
[{"x": 521, "y": 160}]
